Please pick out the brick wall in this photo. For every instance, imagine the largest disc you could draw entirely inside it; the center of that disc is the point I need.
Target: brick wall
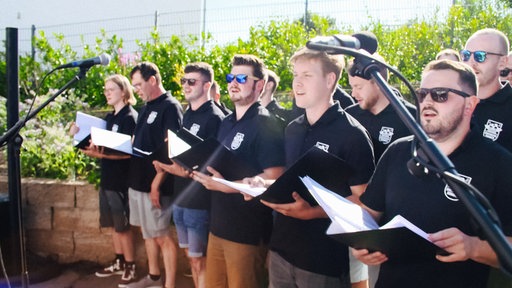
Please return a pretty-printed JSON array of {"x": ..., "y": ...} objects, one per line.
[{"x": 62, "y": 219}]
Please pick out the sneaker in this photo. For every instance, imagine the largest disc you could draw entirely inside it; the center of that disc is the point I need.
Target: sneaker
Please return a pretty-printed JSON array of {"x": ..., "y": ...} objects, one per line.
[
  {"x": 188, "y": 273},
  {"x": 146, "y": 282},
  {"x": 115, "y": 269},
  {"x": 128, "y": 276}
]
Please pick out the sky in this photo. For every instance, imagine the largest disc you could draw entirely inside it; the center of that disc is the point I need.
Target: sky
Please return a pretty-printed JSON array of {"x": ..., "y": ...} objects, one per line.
[{"x": 225, "y": 19}]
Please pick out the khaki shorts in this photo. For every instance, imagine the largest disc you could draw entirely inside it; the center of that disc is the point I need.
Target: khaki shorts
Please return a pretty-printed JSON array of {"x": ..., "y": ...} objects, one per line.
[{"x": 154, "y": 222}]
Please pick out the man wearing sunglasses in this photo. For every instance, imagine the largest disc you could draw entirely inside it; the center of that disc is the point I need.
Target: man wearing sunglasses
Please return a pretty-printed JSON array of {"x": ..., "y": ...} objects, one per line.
[
  {"x": 373, "y": 111},
  {"x": 506, "y": 74},
  {"x": 486, "y": 52},
  {"x": 447, "y": 100},
  {"x": 191, "y": 208},
  {"x": 240, "y": 230}
]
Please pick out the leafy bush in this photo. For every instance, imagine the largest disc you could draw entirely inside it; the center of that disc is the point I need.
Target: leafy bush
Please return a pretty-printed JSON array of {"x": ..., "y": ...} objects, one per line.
[{"x": 408, "y": 48}]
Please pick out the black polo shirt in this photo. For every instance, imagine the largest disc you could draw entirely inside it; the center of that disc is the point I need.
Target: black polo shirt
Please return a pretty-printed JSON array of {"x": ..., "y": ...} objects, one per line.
[
  {"x": 155, "y": 118},
  {"x": 279, "y": 112},
  {"x": 257, "y": 139},
  {"x": 493, "y": 117},
  {"x": 303, "y": 243},
  {"x": 432, "y": 206},
  {"x": 204, "y": 123},
  {"x": 114, "y": 172},
  {"x": 384, "y": 127}
]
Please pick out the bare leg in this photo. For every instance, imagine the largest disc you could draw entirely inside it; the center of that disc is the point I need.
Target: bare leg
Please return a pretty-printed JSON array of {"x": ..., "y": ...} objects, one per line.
[
  {"x": 126, "y": 242},
  {"x": 170, "y": 256},
  {"x": 152, "y": 250},
  {"x": 198, "y": 267}
]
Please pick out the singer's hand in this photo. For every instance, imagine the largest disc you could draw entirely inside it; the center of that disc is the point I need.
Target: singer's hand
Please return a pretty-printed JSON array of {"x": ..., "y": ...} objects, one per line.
[
  {"x": 299, "y": 209},
  {"x": 363, "y": 255},
  {"x": 73, "y": 129},
  {"x": 454, "y": 241},
  {"x": 211, "y": 184}
]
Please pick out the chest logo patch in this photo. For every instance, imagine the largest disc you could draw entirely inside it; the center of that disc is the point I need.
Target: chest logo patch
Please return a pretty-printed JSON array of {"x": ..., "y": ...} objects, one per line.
[
  {"x": 237, "y": 141},
  {"x": 385, "y": 134},
  {"x": 322, "y": 146},
  {"x": 115, "y": 128},
  {"x": 492, "y": 129},
  {"x": 152, "y": 117},
  {"x": 448, "y": 192},
  {"x": 195, "y": 128}
]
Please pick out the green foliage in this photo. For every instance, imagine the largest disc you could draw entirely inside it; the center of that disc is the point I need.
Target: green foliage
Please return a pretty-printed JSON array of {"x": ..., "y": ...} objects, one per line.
[{"x": 408, "y": 48}]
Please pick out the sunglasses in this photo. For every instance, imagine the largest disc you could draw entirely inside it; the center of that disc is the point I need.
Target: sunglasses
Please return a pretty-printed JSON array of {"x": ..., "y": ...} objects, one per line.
[
  {"x": 191, "y": 81},
  {"x": 240, "y": 78},
  {"x": 438, "y": 94},
  {"x": 479, "y": 56},
  {"x": 505, "y": 72}
]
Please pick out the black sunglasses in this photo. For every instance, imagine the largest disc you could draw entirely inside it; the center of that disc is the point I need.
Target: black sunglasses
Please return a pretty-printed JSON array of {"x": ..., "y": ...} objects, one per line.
[
  {"x": 505, "y": 72},
  {"x": 438, "y": 94},
  {"x": 191, "y": 81},
  {"x": 479, "y": 56},
  {"x": 240, "y": 78}
]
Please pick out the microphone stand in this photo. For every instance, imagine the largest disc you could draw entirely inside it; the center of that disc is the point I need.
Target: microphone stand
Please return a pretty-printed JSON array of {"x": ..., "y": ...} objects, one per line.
[
  {"x": 15, "y": 140},
  {"x": 485, "y": 218}
]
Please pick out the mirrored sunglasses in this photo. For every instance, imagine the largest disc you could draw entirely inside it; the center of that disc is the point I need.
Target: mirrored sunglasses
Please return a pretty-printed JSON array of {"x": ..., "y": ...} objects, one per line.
[
  {"x": 479, "y": 56},
  {"x": 240, "y": 78}
]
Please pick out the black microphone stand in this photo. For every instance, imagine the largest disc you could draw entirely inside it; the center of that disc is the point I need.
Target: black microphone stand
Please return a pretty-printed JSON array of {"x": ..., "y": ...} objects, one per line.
[
  {"x": 485, "y": 218},
  {"x": 14, "y": 140}
]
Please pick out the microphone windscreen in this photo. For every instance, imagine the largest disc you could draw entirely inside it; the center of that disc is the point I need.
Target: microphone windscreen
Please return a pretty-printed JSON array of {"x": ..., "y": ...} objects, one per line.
[
  {"x": 368, "y": 41},
  {"x": 104, "y": 59}
]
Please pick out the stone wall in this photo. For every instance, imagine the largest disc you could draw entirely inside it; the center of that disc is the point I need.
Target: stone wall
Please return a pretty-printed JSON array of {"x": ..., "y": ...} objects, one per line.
[{"x": 61, "y": 220}]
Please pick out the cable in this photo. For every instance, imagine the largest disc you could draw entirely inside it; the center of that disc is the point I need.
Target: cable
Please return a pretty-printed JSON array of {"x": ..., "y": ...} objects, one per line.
[{"x": 4, "y": 271}]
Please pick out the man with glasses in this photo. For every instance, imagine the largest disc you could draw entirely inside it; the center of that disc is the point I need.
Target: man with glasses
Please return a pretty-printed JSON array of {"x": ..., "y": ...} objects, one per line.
[
  {"x": 486, "y": 52},
  {"x": 447, "y": 100},
  {"x": 191, "y": 208},
  {"x": 150, "y": 191},
  {"x": 240, "y": 230}
]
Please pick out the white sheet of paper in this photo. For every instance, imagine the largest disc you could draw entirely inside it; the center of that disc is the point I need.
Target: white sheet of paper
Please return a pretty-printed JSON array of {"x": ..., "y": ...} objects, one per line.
[
  {"x": 348, "y": 216},
  {"x": 176, "y": 145},
  {"x": 245, "y": 188},
  {"x": 117, "y": 141},
  {"x": 85, "y": 122}
]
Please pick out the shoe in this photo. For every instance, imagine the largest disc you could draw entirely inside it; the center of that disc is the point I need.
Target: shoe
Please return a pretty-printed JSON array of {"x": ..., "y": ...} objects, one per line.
[
  {"x": 128, "y": 276},
  {"x": 146, "y": 282},
  {"x": 187, "y": 273},
  {"x": 115, "y": 269}
]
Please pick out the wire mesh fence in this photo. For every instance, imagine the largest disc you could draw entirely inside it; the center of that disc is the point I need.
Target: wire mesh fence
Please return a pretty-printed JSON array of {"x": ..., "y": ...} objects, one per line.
[{"x": 227, "y": 24}]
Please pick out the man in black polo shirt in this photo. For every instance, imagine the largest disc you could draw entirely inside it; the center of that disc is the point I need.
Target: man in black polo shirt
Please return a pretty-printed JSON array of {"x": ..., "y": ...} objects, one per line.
[
  {"x": 150, "y": 192},
  {"x": 486, "y": 52},
  {"x": 447, "y": 100},
  {"x": 269, "y": 102},
  {"x": 375, "y": 113},
  {"x": 240, "y": 230},
  {"x": 302, "y": 255},
  {"x": 191, "y": 209}
]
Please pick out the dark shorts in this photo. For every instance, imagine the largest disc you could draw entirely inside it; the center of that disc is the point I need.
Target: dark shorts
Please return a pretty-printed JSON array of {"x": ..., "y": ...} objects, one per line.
[{"x": 114, "y": 210}]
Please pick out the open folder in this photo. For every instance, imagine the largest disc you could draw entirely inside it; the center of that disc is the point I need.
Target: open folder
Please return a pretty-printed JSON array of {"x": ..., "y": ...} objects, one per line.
[
  {"x": 112, "y": 140},
  {"x": 399, "y": 239},
  {"x": 85, "y": 122},
  {"x": 330, "y": 170},
  {"x": 208, "y": 153}
]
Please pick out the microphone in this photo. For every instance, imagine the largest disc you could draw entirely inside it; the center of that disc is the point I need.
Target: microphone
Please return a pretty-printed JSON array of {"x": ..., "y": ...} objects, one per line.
[
  {"x": 103, "y": 59},
  {"x": 362, "y": 40}
]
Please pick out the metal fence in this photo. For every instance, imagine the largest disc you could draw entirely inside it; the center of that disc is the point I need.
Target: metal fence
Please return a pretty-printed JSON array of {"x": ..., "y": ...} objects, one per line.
[{"x": 229, "y": 24}]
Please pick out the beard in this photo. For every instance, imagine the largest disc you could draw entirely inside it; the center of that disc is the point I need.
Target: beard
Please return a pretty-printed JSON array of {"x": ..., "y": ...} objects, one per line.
[{"x": 442, "y": 127}]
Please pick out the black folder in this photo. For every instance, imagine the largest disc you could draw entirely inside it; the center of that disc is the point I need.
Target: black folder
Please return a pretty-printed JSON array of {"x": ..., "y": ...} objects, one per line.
[
  {"x": 212, "y": 153},
  {"x": 398, "y": 244},
  {"x": 326, "y": 168},
  {"x": 84, "y": 143}
]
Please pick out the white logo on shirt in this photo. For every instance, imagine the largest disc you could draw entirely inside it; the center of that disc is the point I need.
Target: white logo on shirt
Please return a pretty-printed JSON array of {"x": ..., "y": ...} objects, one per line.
[
  {"x": 237, "y": 141},
  {"x": 322, "y": 146},
  {"x": 385, "y": 134},
  {"x": 152, "y": 117},
  {"x": 115, "y": 127},
  {"x": 492, "y": 129},
  {"x": 448, "y": 192},
  {"x": 195, "y": 128}
]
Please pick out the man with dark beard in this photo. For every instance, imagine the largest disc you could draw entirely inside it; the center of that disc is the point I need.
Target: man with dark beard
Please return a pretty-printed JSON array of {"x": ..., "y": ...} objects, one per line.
[{"x": 447, "y": 101}]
